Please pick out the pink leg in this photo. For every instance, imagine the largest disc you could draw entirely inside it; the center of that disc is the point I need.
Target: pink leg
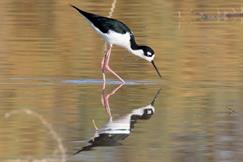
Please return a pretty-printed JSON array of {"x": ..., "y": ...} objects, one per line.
[
  {"x": 104, "y": 61},
  {"x": 105, "y": 64}
]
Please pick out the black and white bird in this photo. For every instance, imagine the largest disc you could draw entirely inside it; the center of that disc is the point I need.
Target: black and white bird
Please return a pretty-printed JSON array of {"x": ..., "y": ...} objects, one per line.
[{"x": 115, "y": 32}]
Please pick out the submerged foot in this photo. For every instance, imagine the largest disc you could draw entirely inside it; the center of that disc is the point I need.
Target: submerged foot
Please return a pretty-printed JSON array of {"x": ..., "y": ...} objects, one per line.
[{"x": 107, "y": 68}]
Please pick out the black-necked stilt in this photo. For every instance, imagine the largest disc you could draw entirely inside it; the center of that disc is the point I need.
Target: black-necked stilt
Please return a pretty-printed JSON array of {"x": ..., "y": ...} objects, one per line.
[
  {"x": 115, "y": 131},
  {"x": 115, "y": 32}
]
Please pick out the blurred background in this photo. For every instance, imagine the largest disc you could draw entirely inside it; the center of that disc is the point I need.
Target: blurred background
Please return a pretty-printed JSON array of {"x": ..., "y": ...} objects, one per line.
[{"x": 50, "y": 81}]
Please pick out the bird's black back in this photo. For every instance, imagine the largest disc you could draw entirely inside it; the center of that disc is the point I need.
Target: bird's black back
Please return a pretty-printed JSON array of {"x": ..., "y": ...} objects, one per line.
[{"x": 105, "y": 24}]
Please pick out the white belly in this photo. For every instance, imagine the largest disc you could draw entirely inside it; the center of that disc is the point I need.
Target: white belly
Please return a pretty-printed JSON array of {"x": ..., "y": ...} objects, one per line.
[
  {"x": 122, "y": 40},
  {"x": 114, "y": 38}
]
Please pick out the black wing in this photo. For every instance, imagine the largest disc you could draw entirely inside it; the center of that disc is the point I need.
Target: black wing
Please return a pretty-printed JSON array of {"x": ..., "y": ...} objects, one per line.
[{"x": 105, "y": 24}]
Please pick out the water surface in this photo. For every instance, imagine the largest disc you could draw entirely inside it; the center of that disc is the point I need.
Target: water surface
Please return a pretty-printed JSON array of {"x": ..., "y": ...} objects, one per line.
[{"x": 51, "y": 82}]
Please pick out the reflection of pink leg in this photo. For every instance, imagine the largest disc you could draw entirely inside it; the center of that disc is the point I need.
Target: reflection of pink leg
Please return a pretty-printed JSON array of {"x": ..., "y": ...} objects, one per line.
[
  {"x": 105, "y": 102},
  {"x": 105, "y": 65},
  {"x": 105, "y": 99},
  {"x": 103, "y": 87}
]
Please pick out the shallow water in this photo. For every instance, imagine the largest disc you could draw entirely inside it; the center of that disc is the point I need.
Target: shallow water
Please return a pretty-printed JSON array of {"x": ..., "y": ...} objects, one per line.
[{"x": 51, "y": 83}]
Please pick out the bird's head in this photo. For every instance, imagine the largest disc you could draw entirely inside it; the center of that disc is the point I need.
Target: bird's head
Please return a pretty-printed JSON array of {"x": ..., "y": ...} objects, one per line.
[{"x": 147, "y": 53}]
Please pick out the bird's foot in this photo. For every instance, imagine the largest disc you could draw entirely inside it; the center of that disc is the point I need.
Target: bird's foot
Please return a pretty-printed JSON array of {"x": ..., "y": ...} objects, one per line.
[
  {"x": 107, "y": 68},
  {"x": 122, "y": 81}
]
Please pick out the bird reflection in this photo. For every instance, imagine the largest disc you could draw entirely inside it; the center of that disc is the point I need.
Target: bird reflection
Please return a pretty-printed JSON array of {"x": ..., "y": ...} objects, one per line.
[{"x": 116, "y": 130}]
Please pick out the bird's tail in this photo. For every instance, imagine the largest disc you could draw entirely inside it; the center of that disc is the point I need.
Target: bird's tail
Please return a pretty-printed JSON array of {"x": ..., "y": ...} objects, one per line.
[{"x": 85, "y": 14}]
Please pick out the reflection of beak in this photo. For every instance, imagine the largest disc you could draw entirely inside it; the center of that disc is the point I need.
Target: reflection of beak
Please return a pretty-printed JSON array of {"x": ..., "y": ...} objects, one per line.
[
  {"x": 156, "y": 68},
  {"x": 155, "y": 97}
]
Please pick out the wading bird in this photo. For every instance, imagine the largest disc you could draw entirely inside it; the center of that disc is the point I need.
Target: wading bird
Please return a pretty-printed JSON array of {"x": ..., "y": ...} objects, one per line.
[{"x": 115, "y": 32}]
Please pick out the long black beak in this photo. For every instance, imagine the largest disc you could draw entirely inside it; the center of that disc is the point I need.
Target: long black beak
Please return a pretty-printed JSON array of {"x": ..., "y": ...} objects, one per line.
[
  {"x": 155, "y": 97},
  {"x": 156, "y": 68}
]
